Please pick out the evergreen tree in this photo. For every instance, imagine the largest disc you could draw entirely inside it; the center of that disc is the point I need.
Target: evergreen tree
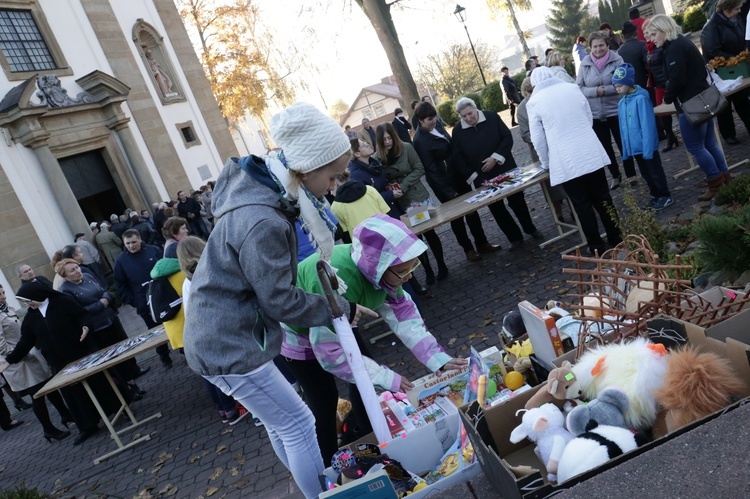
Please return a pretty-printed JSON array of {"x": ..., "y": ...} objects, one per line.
[
  {"x": 614, "y": 12},
  {"x": 564, "y": 23}
]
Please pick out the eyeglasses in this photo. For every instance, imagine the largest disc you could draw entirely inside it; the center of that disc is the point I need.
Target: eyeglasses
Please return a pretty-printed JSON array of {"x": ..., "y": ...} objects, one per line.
[{"x": 404, "y": 276}]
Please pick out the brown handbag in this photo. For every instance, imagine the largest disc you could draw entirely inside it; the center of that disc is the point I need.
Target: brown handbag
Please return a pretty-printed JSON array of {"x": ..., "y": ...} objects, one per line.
[{"x": 705, "y": 105}]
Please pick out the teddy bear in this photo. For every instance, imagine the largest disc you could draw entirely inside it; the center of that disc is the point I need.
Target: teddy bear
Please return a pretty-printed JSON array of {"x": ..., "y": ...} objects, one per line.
[
  {"x": 544, "y": 426},
  {"x": 555, "y": 391}
]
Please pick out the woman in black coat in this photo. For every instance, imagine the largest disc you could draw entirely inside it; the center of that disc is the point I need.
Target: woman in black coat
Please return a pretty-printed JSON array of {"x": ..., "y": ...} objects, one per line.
[
  {"x": 58, "y": 326},
  {"x": 106, "y": 329},
  {"x": 724, "y": 36},
  {"x": 686, "y": 78},
  {"x": 433, "y": 145}
]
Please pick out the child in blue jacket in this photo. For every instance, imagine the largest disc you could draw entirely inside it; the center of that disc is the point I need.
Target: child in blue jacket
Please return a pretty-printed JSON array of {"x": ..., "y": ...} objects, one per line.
[{"x": 639, "y": 136}]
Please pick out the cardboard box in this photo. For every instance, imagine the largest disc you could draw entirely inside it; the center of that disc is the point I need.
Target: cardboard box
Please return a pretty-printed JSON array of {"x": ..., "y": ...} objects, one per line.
[
  {"x": 420, "y": 450},
  {"x": 499, "y": 464},
  {"x": 364, "y": 484},
  {"x": 375, "y": 486},
  {"x": 543, "y": 333}
]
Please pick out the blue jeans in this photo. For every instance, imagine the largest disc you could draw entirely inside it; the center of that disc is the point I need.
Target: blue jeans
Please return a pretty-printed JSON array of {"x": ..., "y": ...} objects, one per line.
[
  {"x": 700, "y": 141},
  {"x": 290, "y": 424}
]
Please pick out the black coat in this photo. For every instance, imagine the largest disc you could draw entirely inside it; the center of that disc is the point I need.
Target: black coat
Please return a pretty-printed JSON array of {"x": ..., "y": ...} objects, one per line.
[
  {"x": 511, "y": 90},
  {"x": 436, "y": 156},
  {"x": 190, "y": 205},
  {"x": 634, "y": 51},
  {"x": 402, "y": 127},
  {"x": 657, "y": 68},
  {"x": 474, "y": 144},
  {"x": 57, "y": 336},
  {"x": 686, "y": 71},
  {"x": 722, "y": 37},
  {"x": 131, "y": 271}
]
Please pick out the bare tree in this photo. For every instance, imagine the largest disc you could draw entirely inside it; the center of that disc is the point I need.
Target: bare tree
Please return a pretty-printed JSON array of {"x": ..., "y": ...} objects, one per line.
[
  {"x": 453, "y": 72},
  {"x": 379, "y": 14},
  {"x": 509, "y": 7}
]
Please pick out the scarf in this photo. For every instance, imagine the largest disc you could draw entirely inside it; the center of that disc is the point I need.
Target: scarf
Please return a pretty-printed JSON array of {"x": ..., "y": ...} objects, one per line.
[
  {"x": 373, "y": 166},
  {"x": 601, "y": 62},
  {"x": 316, "y": 223},
  {"x": 4, "y": 308}
]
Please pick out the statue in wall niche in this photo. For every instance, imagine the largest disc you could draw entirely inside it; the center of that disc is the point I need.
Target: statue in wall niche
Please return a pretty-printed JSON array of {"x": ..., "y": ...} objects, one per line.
[
  {"x": 163, "y": 81},
  {"x": 53, "y": 95}
]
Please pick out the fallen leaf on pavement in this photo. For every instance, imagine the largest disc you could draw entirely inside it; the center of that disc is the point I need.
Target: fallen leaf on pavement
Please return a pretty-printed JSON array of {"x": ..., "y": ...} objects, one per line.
[
  {"x": 221, "y": 449},
  {"x": 217, "y": 473},
  {"x": 211, "y": 491}
]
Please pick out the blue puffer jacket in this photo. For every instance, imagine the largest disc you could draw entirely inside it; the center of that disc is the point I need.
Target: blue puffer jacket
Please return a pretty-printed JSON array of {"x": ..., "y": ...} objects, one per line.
[{"x": 637, "y": 125}]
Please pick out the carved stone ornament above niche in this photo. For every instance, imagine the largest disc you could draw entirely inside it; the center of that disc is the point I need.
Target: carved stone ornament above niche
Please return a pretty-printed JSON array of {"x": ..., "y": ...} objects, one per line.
[{"x": 53, "y": 95}]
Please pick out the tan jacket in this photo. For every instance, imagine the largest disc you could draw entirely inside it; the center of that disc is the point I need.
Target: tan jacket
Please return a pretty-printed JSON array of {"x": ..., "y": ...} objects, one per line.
[{"x": 33, "y": 369}]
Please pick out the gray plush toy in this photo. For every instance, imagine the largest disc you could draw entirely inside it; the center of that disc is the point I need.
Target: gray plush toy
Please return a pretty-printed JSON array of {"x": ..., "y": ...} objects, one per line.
[{"x": 608, "y": 409}]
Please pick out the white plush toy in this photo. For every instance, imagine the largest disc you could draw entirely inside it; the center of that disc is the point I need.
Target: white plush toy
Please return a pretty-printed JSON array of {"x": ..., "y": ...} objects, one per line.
[
  {"x": 594, "y": 448},
  {"x": 636, "y": 367},
  {"x": 544, "y": 426}
]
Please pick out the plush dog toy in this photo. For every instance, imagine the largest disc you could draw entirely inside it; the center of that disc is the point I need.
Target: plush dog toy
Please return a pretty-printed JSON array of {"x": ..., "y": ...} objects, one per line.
[
  {"x": 636, "y": 367},
  {"x": 606, "y": 410},
  {"x": 696, "y": 384},
  {"x": 544, "y": 426},
  {"x": 594, "y": 448},
  {"x": 558, "y": 382}
]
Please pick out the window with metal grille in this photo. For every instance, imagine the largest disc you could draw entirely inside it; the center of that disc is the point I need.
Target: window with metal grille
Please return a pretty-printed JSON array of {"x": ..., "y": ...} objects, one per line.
[
  {"x": 187, "y": 134},
  {"x": 22, "y": 43}
]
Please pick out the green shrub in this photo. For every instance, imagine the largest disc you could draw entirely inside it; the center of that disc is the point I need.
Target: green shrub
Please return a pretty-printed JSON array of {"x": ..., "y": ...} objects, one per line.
[
  {"x": 679, "y": 18},
  {"x": 725, "y": 241},
  {"x": 447, "y": 111},
  {"x": 736, "y": 192},
  {"x": 519, "y": 77},
  {"x": 694, "y": 19},
  {"x": 638, "y": 221},
  {"x": 21, "y": 492},
  {"x": 476, "y": 98},
  {"x": 492, "y": 97}
]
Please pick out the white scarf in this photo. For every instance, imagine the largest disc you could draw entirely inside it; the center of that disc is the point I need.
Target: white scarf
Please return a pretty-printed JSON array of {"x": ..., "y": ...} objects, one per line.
[{"x": 315, "y": 221}]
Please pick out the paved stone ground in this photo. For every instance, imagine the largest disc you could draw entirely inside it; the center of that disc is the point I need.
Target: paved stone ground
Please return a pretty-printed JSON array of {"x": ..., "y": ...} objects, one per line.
[{"x": 191, "y": 454}]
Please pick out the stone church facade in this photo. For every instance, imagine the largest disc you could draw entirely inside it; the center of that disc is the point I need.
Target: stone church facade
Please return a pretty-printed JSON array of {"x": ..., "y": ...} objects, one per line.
[{"x": 104, "y": 105}]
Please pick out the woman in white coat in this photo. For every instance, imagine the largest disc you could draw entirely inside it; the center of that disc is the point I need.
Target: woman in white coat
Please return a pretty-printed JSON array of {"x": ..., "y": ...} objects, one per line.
[
  {"x": 559, "y": 120},
  {"x": 29, "y": 375}
]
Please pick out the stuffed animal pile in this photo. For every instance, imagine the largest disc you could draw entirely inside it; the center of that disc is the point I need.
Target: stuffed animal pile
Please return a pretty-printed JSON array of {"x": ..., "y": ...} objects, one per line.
[{"x": 628, "y": 386}]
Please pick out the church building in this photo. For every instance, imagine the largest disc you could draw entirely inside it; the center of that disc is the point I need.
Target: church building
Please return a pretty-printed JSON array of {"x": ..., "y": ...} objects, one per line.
[{"x": 103, "y": 106}]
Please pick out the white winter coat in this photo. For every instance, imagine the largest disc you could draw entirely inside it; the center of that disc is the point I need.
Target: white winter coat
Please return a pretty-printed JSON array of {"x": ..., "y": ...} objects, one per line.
[
  {"x": 33, "y": 369},
  {"x": 560, "y": 122}
]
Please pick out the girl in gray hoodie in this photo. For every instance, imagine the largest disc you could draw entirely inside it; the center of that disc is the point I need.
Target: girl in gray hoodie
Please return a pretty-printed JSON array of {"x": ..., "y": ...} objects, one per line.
[{"x": 244, "y": 285}]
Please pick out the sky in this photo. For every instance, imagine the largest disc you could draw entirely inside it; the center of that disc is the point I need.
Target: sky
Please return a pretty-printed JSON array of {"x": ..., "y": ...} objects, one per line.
[{"x": 336, "y": 37}]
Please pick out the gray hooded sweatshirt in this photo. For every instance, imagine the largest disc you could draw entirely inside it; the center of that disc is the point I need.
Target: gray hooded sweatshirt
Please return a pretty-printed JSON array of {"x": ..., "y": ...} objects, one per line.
[{"x": 244, "y": 284}]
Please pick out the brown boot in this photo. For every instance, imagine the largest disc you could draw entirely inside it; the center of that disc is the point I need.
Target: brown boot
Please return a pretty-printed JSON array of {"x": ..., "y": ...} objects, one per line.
[
  {"x": 713, "y": 186},
  {"x": 726, "y": 177}
]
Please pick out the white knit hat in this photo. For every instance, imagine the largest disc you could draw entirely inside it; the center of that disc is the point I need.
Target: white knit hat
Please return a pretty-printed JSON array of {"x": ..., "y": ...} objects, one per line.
[{"x": 308, "y": 138}]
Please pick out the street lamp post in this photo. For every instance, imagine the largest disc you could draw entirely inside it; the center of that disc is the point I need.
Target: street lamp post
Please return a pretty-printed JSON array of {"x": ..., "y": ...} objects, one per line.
[{"x": 460, "y": 13}]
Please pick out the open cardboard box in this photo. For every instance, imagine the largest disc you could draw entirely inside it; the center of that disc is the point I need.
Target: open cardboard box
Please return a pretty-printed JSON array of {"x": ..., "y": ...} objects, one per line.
[{"x": 499, "y": 466}]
